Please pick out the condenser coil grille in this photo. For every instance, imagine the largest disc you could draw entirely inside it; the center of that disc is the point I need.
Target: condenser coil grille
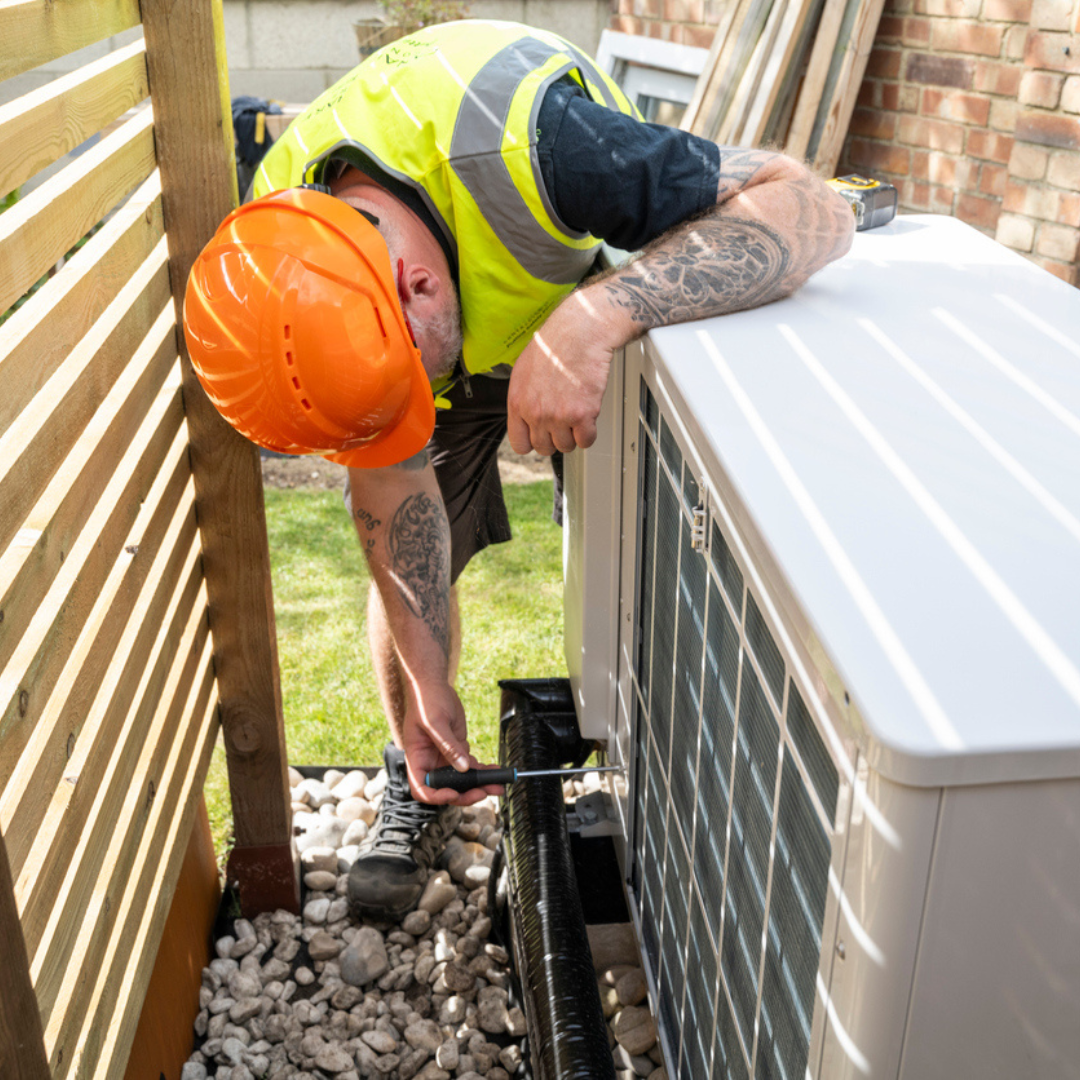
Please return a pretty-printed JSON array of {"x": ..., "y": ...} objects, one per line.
[{"x": 731, "y": 838}]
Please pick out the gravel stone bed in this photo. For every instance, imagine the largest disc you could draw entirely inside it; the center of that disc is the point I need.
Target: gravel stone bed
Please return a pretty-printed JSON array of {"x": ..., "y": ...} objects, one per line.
[{"x": 325, "y": 996}]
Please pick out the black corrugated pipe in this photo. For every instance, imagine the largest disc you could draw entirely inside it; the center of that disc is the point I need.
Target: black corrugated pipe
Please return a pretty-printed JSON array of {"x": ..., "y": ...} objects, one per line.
[{"x": 567, "y": 1033}]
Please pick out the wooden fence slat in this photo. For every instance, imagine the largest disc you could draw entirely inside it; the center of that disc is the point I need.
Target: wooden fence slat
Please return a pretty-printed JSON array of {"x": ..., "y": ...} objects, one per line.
[
  {"x": 41, "y": 127},
  {"x": 22, "y": 1046},
  {"x": 68, "y": 679},
  {"x": 83, "y": 944},
  {"x": 104, "y": 1039},
  {"x": 38, "y": 337},
  {"x": 37, "y": 31},
  {"x": 100, "y": 859},
  {"x": 194, "y": 141},
  {"x": 34, "y": 446},
  {"x": 40, "y": 729},
  {"x": 108, "y": 735},
  {"x": 37, "y": 231}
]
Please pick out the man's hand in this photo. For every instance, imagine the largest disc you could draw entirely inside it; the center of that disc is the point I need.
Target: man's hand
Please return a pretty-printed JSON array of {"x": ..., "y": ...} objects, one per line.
[
  {"x": 434, "y": 735},
  {"x": 557, "y": 385}
]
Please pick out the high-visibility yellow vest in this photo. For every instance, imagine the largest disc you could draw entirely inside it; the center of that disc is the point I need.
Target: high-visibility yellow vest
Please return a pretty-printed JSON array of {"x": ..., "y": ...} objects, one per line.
[{"x": 451, "y": 112}]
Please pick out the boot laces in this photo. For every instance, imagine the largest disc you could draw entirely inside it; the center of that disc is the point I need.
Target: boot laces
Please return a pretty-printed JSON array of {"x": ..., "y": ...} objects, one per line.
[{"x": 401, "y": 819}]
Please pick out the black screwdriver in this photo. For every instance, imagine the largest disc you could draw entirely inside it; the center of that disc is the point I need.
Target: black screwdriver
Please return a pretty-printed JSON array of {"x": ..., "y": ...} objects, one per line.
[{"x": 448, "y": 777}]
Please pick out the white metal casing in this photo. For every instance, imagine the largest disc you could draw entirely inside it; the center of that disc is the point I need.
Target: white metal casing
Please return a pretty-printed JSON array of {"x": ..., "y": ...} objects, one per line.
[{"x": 894, "y": 454}]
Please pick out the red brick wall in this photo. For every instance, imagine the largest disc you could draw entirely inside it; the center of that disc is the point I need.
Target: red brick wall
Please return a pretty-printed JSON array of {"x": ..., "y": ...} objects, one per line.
[
  {"x": 686, "y": 22},
  {"x": 970, "y": 107}
]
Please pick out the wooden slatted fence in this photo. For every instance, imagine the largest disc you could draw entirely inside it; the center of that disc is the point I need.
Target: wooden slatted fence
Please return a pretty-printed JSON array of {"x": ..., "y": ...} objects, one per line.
[{"x": 135, "y": 609}]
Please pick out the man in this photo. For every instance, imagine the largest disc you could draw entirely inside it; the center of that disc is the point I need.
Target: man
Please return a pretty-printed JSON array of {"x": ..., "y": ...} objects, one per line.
[{"x": 492, "y": 159}]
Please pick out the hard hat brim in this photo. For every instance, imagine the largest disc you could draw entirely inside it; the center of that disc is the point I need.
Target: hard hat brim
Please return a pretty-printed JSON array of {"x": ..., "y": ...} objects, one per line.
[{"x": 400, "y": 442}]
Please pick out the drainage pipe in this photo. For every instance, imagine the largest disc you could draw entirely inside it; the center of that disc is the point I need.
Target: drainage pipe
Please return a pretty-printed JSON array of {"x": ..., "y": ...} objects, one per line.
[{"x": 567, "y": 1032}]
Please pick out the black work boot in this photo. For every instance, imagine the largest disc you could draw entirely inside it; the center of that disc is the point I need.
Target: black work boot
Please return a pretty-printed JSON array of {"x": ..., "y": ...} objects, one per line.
[{"x": 395, "y": 859}]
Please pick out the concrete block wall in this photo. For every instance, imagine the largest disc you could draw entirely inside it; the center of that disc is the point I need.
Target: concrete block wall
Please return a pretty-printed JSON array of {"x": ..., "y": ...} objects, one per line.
[{"x": 293, "y": 50}]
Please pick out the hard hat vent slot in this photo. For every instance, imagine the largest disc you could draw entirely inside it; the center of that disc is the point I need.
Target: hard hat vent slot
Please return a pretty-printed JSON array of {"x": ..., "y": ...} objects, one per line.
[
  {"x": 288, "y": 332},
  {"x": 289, "y": 359},
  {"x": 296, "y": 382},
  {"x": 306, "y": 403}
]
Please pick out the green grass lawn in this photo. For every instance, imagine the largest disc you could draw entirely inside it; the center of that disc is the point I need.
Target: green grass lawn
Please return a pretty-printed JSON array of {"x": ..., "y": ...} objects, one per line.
[{"x": 511, "y": 615}]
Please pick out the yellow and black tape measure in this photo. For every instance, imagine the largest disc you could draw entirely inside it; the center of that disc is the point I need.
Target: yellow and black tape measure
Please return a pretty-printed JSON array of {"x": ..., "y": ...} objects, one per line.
[{"x": 873, "y": 201}]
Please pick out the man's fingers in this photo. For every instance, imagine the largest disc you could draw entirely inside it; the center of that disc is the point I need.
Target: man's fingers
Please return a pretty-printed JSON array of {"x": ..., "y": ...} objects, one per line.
[
  {"x": 585, "y": 433},
  {"x": 564, "y": 440},
  {"x": 518, "y": 432}
]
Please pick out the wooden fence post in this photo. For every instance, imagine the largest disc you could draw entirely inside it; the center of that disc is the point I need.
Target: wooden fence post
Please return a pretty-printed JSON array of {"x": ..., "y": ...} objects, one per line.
[
  {"x": 185, "y": 53},
  {"x": 22, "y": 1042}
]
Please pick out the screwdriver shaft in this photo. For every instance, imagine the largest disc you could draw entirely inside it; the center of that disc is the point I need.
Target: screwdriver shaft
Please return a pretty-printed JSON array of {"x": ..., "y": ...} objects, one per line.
[{"x": 473, "y": 778}]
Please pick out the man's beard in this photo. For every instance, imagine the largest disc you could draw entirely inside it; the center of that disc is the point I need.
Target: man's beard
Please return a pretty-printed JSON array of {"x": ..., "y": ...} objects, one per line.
[{"x": 442, "y": 335}]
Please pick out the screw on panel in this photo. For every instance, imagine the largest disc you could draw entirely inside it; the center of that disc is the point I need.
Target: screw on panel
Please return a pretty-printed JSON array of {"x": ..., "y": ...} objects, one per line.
[
  {"x": 697, "y": 528},
  {"x": 841, "y": 951},
  {"x": 24, "y": 701},
  {"x": 71, "y": 745}
]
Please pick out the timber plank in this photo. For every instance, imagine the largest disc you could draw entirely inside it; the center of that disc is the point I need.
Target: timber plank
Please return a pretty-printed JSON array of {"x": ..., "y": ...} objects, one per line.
[
  {"x": 101, "y": 762},
  {"x": 22, "y": 1046},
  {"x": 37, "y": 338},
  {"x": 106, "y": 1010},
  {"x": 37, "y": 31},
  {"x": 743, "y": 35},
  {"x": 817, "y": 71},
  {"x": 41, "y": 127},
  {"x": 781, "y": 57},
  {"x": 845, "y": 79},
  {"x": 77, "y": 932},
  {"x": 732, "y": 126},
  {"x": 194, "y": 141},
  {"x": 34, "y": 447},
  {"x": 61, "y": 607},
  {"x": 37, "y": 231}
]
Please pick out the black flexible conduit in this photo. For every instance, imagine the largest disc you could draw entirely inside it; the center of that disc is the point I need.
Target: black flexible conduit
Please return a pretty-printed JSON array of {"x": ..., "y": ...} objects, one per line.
[{"x": 567, "y": 1033}]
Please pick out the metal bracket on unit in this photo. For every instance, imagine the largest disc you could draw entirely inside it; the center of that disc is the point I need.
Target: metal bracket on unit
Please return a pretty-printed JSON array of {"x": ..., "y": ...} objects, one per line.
[{"x": 699, "y": 525}]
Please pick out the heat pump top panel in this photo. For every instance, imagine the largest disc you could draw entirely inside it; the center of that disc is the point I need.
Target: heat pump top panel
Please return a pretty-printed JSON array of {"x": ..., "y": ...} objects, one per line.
[{"x": 904, "y": 434}]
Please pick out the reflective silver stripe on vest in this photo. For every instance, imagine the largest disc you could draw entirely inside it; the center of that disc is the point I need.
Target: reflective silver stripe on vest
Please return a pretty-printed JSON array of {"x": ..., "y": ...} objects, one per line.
[{"x": 475, "y": 154}]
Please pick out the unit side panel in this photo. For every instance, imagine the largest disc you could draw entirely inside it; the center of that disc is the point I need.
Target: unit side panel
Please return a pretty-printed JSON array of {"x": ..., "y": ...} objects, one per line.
[
  {"x": 881, "y": 892},
  {"x": 997, "y": 986}
]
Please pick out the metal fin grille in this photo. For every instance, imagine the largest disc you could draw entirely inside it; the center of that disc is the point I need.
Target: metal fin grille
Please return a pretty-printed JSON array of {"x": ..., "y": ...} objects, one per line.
[{"x": 730, "y": 852}]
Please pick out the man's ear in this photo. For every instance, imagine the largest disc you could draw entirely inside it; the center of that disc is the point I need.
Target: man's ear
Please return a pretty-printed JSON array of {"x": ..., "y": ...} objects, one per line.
[{"x": 419, "y": 285}]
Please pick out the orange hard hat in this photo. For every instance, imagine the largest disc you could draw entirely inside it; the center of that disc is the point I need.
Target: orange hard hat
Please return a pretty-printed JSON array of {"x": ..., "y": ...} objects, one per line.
[{"x": 295, "y": 330}]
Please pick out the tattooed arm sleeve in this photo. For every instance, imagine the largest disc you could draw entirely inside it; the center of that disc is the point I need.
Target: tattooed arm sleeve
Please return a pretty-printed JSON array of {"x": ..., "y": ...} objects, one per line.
[
  {"x": 401, "y": 522},
  {"x": 774, "y": 225}
]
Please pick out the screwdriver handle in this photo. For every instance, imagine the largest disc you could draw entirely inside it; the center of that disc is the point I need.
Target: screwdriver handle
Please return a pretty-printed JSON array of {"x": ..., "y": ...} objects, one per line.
[{"x": 448, "y": 777}]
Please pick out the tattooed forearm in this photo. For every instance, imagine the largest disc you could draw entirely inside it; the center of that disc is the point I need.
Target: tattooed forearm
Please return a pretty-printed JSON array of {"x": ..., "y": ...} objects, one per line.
[
  {"x": 419, "y": 545},
  {"x": 722, "y": 265},
  {"x": 774, "y": 225},
  {"x": 738, "y": 168}
]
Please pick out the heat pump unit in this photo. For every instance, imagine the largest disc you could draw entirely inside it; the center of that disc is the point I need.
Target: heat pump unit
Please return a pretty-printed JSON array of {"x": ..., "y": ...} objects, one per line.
[{"x": 823, "y": 602}]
